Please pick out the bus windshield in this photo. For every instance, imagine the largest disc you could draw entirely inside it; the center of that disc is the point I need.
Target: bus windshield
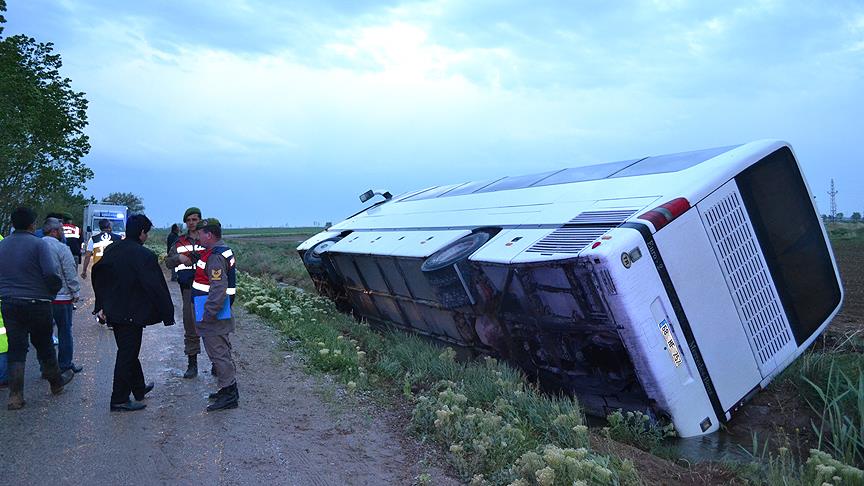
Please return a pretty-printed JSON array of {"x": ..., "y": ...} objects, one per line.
[
  {"x": 117, "y": 225},
  {"x": 791, "y": 238}
]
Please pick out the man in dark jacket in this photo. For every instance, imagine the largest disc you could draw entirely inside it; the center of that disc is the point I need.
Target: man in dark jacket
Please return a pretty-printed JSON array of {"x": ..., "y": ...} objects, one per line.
[
  {"x": 131, "y": 294},
  {"x": 28, "y": 283}
]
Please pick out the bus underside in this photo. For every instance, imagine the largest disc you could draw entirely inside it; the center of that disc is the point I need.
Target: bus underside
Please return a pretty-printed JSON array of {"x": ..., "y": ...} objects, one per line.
[{"x": 551, "y": 320}]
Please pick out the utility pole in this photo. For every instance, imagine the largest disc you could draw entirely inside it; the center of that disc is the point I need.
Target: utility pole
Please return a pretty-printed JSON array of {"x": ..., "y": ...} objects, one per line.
[{"x": 832, "y": 211}]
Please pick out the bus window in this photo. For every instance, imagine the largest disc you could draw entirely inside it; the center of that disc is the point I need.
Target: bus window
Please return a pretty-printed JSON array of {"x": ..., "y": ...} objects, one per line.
[{"x": 791, "y": 238}]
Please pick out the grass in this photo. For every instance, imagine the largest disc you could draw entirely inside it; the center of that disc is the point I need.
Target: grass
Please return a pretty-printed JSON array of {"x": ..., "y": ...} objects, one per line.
[
  {"x": 277, "y": 259},
  {"x": 495, "y": 426},
  {"x": 829, "y": 380},
  {"x": 277, "y": 231}
]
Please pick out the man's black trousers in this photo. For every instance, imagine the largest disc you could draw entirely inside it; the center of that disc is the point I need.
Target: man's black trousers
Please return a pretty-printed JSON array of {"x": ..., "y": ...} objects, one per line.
[
  {"x": 29, "y": 318},
  {"x": 128, "y": 376}
]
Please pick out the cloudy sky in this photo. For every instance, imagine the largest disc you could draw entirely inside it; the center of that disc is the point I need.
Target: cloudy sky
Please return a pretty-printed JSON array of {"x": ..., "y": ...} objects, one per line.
[{"x": 268, "y": 112}]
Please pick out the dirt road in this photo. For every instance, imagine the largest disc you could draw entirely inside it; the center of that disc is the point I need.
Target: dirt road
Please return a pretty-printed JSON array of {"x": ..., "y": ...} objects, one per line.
[{"x": 290, "y": 428}]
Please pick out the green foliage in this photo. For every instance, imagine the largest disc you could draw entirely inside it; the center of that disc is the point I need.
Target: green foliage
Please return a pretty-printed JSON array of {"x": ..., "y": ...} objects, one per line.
[
  {"x": 42, "y": 121},
  {"x": 840, "y": 408},
  {"x": 134, "y": 204},
  {"x": 554, "y": 466},
  {"x": 484, "y": 413},
  {"x": 832, "y": 383},
  {"x": 782, "y": 469},
  {"x": 821, "y": 469},
  {"x": 637, "y": 429},
  {"x": 65, "y": 202},
  {"x": 276, "y": 259},
  {"x": 856, "y": 217}
]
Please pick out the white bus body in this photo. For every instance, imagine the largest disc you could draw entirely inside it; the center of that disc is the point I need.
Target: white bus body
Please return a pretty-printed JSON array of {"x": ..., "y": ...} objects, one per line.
[
  {"x": 93, "y": 213},
  {"x": 678, "y": 285}
]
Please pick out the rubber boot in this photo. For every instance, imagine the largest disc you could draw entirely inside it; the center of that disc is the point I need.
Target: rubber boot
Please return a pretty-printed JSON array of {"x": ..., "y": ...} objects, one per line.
[
  {"x": 16, "y": 386},
  {"x": 192, "y": 369},
  {"x": 226, "y": 398},
  {"x": 57, "y": 380}
]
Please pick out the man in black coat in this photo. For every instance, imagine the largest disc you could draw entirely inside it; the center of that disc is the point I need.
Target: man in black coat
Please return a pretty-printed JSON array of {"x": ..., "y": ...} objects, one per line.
[{"x": 131, "y": 293}]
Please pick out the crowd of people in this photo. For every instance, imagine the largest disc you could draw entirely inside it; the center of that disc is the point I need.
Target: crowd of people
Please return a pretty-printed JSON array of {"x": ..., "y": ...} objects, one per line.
[{"x": 39, "y": 287}]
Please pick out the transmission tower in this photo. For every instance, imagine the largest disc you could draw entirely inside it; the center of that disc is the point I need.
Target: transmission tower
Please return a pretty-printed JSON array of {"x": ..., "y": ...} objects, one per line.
[{"x": 832, "y": 211}]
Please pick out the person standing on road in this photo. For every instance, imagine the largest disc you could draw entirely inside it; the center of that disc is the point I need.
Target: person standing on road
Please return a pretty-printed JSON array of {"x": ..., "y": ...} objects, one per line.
[
  {"x": 61, "y": 308},
  {"x": 97, "y": 244},
  {"x": 131, "y": 293},
  {"x": 29, "y": 281},
  {"x": 182, "y": 257},
  {"x": 73, "y": 238},
  {"x": 213, "y": 294}
]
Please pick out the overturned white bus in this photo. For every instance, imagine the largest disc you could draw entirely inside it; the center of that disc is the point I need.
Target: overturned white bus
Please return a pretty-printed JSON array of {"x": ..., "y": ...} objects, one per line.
[{"x": 679, "y": 285}]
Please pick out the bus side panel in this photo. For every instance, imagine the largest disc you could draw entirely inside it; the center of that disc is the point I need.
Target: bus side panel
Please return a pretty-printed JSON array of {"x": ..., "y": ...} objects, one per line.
[{"x": 705, "y": 297}]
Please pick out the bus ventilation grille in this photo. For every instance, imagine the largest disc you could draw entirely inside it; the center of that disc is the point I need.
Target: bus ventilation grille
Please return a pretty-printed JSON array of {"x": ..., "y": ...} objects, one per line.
[
  {"x": 747, "y": 277},
  {"x": 580, "y": 231}
]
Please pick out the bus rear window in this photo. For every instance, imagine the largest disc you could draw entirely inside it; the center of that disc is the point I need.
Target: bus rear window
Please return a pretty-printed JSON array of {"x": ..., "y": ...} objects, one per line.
[{"x": 795, "y": 249}]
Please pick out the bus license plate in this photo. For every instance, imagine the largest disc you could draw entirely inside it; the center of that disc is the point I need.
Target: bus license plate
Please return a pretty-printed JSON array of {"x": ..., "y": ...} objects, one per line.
[{"x": 671, "y": 345}]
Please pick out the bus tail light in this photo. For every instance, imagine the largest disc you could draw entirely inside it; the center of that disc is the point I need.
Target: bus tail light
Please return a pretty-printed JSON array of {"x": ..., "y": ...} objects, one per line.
[{"x": 666, "y": 213}]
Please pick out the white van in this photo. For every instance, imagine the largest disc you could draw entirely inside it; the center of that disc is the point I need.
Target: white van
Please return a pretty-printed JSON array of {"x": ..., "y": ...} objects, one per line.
[{"x": 679, "y": 285}]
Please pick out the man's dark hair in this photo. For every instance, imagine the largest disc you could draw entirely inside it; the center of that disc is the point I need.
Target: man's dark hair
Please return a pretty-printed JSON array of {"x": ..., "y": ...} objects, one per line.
[
  {"x": 136, "y": 224},
  {"x": 175, "y": 228},
  {"x": 22, "y": 218},
  {"x": 214, "y": 230},
  {"x": 104, "y": 224}
]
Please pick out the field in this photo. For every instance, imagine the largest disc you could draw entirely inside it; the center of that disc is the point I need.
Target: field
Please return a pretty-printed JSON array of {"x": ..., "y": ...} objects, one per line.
[{"x": 818, "y": 403}]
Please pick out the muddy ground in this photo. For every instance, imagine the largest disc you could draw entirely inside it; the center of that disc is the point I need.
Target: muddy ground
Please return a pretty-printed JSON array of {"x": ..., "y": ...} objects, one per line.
[{"x": 291, "y": 428}]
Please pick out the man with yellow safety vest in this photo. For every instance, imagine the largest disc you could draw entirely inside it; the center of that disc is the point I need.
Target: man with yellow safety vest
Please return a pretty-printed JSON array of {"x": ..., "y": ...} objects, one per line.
[
  {"x": 97, "y": 244},
  {"x": 213, "y": 293},
  {"x": 187, "y": 247}
]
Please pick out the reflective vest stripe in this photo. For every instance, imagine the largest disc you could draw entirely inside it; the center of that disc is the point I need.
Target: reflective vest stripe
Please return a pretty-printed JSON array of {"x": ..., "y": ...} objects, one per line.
[
  {"x": 228, "y": 253},
  {"x": 189, "y": 248},
  {"x": 2, "y": 330},
  {"x": 206, "y": 288},
  {"x": 71, "y": 231},
  {"x": 181, "y": 267}
]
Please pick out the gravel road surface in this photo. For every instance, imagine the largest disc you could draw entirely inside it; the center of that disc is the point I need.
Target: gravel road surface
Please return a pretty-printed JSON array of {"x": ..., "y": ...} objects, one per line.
[{"x": 291, "y": 428}]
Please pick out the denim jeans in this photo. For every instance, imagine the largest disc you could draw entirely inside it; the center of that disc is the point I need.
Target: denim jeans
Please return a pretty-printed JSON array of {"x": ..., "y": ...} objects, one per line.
[
  {"x": 63, "y": 320},
  {"x": 2, "y": 367}
]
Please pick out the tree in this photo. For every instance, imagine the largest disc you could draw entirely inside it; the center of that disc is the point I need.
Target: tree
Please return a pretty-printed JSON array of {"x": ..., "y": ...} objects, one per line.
[
  {"x": 838, "y": 217},
  {"x": 42, "y": 121},
  {"x": 856, "y": 217},
  {"x": 66, "y": 202},
  {"x": 133, "y": 202}
]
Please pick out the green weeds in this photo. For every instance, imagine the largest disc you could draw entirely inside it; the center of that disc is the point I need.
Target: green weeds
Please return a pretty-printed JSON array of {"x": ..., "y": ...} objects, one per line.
[
  {"x": 636, "y": 429},
  {"x": 496, "y": 427}
]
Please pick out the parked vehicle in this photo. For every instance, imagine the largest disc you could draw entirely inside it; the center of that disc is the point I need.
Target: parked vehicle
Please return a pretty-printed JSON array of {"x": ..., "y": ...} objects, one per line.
[
  {"x": 679, "y": 285},
  {"x": 114, "y": 213}
]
